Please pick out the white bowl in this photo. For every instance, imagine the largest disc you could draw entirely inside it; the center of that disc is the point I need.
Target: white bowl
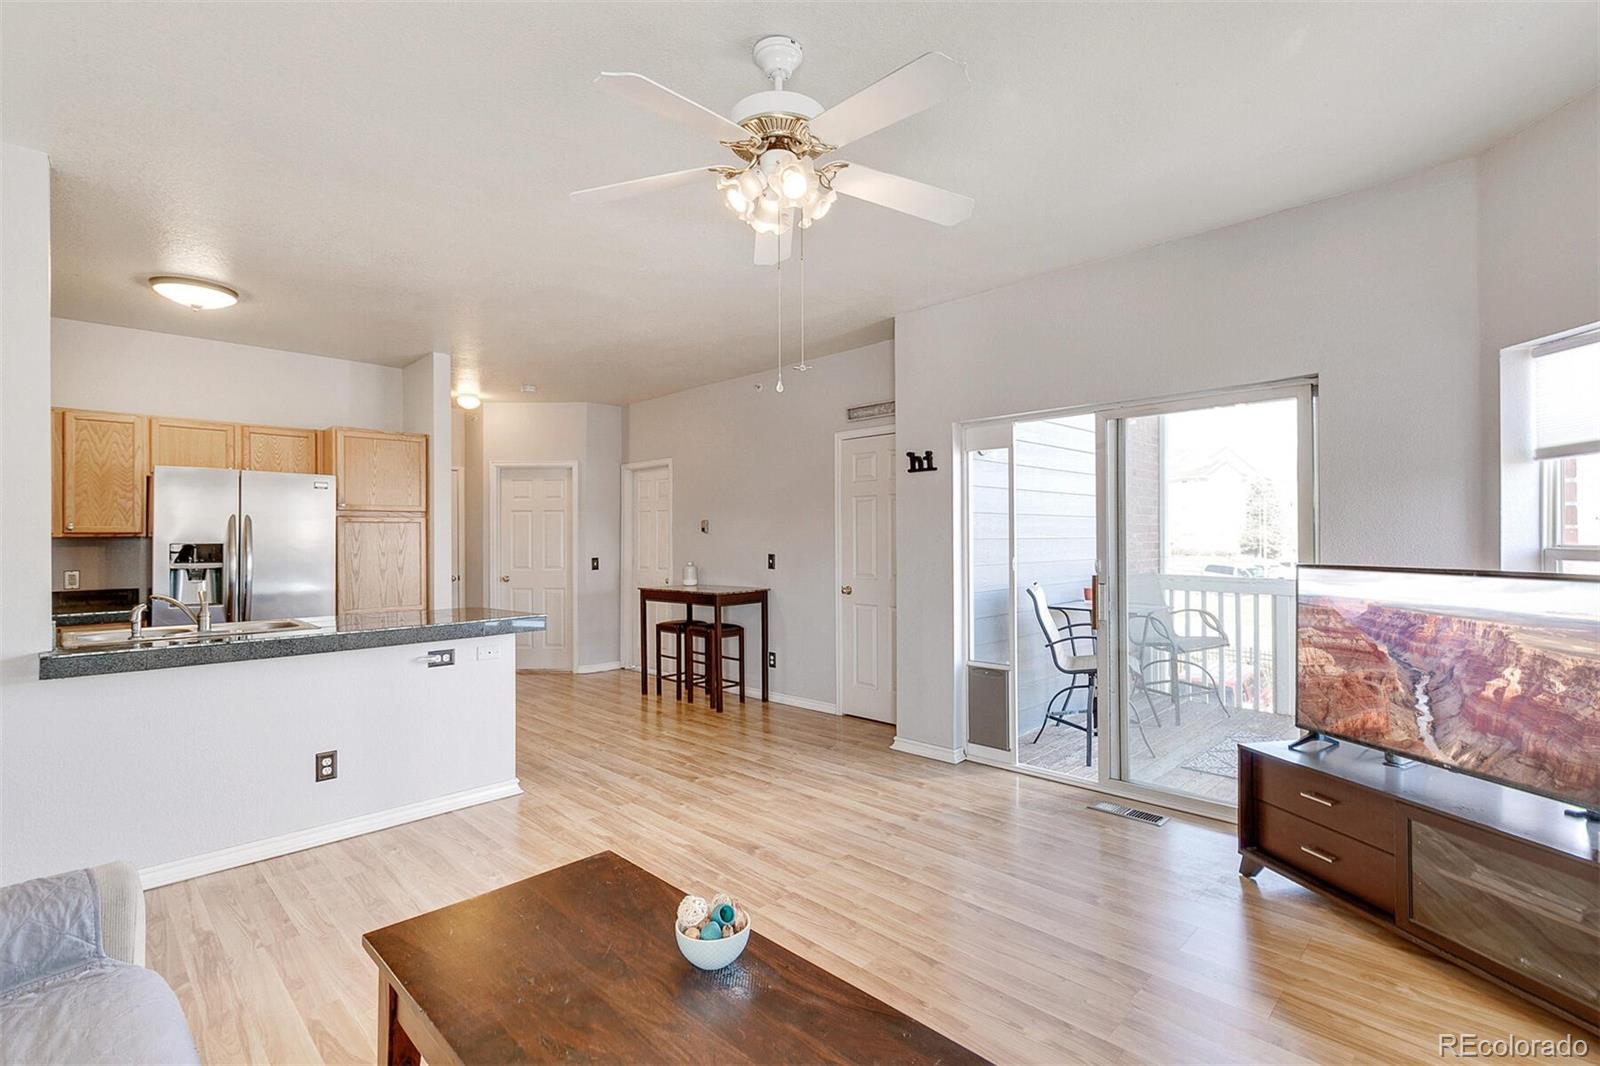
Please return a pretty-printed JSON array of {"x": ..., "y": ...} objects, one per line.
[{"x": 712, "y": 954}]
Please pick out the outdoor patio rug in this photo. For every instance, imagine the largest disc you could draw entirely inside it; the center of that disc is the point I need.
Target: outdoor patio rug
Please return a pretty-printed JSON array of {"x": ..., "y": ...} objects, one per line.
[{"x": 1222, "y": 758}]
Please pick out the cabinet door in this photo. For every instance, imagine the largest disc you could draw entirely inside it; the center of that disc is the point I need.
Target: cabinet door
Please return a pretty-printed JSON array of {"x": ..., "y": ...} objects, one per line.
[
  {"x": 102, "y": 473},
  {"x": 381, "y": 471},
  {"x": 383, "y": 563},
  {"x": 286, "y": 451},
  {"x": 183, "y": 442}
]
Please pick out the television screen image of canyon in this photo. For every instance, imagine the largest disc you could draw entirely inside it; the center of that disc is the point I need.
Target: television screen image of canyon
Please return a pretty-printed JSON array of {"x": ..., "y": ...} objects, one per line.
[{"x": 1493, "y": 675}]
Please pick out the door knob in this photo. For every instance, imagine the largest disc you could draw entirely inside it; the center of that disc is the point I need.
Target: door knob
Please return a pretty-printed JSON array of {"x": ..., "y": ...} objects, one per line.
[
  {"x": 505, "y": 577},
  {"x": 847, "y": 590}
]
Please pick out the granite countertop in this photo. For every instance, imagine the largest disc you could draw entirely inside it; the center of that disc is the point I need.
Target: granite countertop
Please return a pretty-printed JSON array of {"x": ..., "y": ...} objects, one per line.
[{"x": 327, "y": 634}]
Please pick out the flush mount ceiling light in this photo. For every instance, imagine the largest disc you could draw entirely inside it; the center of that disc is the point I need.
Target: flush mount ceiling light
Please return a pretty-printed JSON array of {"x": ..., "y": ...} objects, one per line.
[
  {"x": 530, "y": 388},
  {"x": 194, "y": 293},
  {"x": 468, "y": 401}
]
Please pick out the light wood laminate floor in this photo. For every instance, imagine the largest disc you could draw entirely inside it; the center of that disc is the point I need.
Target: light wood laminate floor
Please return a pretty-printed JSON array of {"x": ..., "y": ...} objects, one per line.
[{"x": 990, "y": 905}]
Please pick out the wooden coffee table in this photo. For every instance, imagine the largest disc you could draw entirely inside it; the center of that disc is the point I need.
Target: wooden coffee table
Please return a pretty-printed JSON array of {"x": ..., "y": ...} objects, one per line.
[{"x": 580, "y": 963}]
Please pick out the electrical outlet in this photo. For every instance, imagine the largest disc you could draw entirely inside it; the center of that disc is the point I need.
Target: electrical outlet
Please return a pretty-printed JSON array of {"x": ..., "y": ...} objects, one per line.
[
  {"x": 69, "y": 579},
  {"x": 772, "y": 659},
  {"x": 488, "y": 652},
  {"x": 594, "y": 563},
  {"x": 327, "y": 765},
  {"x": 772, "y": 561}
]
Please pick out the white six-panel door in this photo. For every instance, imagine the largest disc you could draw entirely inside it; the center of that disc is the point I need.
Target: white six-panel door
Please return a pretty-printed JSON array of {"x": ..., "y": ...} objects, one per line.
[
  {"x": 652, "y": 547},
  {"x": 536, "y": 561},
  {"x": 866, "y": 574}
]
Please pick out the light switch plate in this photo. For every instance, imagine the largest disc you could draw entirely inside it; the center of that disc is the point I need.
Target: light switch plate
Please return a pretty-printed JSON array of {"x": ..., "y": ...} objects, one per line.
[{"x": 488, "y": 652}]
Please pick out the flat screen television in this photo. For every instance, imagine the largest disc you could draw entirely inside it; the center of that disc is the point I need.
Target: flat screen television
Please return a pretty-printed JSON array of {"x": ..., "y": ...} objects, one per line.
[{"x": 1491, "y": 674}]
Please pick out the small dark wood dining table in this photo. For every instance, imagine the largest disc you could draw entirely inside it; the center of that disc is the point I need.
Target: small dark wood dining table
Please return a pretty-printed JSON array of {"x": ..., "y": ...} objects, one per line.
[
  {"x": 579, "y": 964},
  {"x": 715, "y": 597}
]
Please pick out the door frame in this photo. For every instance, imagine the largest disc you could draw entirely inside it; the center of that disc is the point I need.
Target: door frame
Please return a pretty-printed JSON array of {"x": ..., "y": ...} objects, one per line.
[
  {"x": 493, "y": 471},
  {"x": 458, "y": 533},
  {"x": 628, "y": 595},
  {"x": 839, "y": 438}
]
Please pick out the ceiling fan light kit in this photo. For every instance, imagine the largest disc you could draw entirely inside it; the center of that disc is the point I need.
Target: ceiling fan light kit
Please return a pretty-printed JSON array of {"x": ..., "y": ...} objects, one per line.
[{"x": 779, "y": 135}]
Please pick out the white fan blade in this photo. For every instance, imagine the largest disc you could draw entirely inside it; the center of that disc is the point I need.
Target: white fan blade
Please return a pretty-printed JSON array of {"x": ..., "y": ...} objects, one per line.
[
  {"x": 653, "y": 96},
  {"x": 772, "y": 248},
  {"x": 622, "y": 190},
  {"x": 903, "y": 194},
  {"x": 915, "y": 87}
]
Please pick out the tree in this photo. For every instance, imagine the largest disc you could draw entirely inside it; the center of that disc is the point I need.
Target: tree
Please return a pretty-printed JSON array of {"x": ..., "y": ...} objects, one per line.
[{"x": 1263, "y": 529}]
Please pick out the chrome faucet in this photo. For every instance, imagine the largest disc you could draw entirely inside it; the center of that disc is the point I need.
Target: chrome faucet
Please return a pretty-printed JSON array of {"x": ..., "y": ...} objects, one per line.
[{"x": 202, "y": 617}]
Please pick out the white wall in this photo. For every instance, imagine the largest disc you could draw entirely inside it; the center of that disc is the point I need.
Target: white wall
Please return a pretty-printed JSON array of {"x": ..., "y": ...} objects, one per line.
[
  {"x": 111, "y": 368},
  {"x": 24, "y": 441},
  {"x": 759, "y": 466},
  {"x": 169, "y": 766},
  {"x": 1375, "y": 292},
  {"x": 427, "y": 407},
  {"x": 589, "y": 434},
  {"x": 1539, "y": 273}
]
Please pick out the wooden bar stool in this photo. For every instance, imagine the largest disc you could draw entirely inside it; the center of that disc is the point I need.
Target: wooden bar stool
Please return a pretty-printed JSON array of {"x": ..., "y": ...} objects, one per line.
[
  {"x": 673, "y": 628},
  {"x": 698, "y": 635}
]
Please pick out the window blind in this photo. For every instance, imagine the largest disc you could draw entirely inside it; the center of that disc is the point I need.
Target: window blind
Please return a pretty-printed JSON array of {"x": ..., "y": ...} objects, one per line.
[{"x": 1566, "y": 401}]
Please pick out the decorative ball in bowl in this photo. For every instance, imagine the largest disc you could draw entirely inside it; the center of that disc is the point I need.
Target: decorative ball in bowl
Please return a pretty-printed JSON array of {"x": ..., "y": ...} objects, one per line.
[{"x": 712, "y": 935}]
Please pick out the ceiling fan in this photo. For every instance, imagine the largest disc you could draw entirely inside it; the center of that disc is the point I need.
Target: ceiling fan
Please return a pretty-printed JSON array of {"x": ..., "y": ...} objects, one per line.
[{"x": 779, "y": 136}]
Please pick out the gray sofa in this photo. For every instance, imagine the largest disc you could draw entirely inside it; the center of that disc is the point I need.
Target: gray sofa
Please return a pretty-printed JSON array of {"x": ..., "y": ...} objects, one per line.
[{"x": 73, "y": 987}]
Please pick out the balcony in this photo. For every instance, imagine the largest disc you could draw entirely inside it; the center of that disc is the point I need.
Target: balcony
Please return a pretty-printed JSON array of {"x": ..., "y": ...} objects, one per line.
[{"x": 1187, "y": 744}]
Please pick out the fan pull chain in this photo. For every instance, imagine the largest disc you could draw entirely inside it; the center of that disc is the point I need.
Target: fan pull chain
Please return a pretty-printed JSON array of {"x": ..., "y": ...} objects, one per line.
[
  {"x": 801, "y": 365},
  {"x": 780, "y": 315}
]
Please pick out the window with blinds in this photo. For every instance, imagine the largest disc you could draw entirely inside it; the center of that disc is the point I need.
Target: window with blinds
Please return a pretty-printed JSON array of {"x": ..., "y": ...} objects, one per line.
[{"x": 1566, "y": 434}]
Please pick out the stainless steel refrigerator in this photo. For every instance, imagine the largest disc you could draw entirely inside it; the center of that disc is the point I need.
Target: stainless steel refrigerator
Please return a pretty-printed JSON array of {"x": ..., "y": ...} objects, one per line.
[{"x": 261, "y": 543}]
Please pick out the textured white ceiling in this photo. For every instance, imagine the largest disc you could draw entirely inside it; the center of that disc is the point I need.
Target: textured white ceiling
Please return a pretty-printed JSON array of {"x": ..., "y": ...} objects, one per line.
[{"x": 383, "y": 180}]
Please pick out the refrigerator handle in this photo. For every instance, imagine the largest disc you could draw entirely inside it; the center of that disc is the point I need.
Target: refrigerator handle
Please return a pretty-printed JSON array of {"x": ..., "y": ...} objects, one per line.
[
  {"x": 248, "y": 565},
  {"x": 230, "y": 572}
]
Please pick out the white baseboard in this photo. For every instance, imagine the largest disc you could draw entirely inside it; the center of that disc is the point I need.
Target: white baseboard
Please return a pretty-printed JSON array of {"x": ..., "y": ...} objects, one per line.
[
  {"x": 243, "y": 854},
  {"x": 802, "y": 702},
  {"x": 598, "y": 668},
  {"x": 928, "y": 751}
]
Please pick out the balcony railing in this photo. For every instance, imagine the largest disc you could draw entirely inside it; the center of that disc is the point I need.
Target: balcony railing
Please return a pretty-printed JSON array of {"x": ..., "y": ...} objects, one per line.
[{"x": 1257, "y": 614}]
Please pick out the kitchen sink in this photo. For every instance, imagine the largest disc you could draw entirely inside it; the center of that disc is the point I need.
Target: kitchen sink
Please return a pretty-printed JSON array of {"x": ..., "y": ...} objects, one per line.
[{"x": 152, "y": 635}]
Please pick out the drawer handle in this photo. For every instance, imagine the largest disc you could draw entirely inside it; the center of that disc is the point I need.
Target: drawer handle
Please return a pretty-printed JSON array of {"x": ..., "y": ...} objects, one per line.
[
  {"x": 1314, "y": 798},
  {"x": 1318, "y": 854}
]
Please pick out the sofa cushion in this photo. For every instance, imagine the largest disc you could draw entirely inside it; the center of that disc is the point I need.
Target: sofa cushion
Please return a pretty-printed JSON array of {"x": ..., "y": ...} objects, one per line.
[
  {"x": 47, "y": 925},
  {"x": 104, "y": 1012}
]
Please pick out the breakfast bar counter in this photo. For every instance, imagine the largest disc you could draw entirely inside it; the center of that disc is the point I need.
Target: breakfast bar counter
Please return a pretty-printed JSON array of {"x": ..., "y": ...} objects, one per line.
[{"x": 309, "y": 636}]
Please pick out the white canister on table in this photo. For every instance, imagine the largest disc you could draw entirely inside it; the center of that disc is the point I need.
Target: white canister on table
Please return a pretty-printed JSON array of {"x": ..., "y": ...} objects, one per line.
[{"x": 691, "y": 574}]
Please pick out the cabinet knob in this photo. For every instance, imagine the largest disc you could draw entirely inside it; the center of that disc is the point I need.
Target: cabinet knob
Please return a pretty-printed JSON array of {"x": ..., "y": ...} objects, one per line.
[
  {"x": 72, "y": 525},
  {"x": 846, "y": 590}
]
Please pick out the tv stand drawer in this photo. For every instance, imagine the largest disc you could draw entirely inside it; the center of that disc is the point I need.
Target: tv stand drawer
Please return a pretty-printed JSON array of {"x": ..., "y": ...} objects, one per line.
[
  {"x": 1347, "y": 864},
  {"x": 1329, "y": 801}
]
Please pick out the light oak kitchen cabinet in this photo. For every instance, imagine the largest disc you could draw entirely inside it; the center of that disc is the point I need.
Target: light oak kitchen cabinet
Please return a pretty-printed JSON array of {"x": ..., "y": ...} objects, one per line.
[
  {"x": 280, "y": 449},
  {"x": 382, "y": 481},
  {"x": 186, "y": 442},
  {"x": 99, "y": 462},
  {"x": 379, "y": 472},
  {"x": 383, "y": 563}
]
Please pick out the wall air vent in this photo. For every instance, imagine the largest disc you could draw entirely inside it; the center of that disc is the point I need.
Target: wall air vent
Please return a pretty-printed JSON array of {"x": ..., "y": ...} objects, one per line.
[{"x": 1129, "y": 812}]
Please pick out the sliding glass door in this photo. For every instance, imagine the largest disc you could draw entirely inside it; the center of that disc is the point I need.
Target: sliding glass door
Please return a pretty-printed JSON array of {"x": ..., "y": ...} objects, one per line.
[
  {"x": 1128, "y": 599},
  {"x": 1210, "y": 505}
]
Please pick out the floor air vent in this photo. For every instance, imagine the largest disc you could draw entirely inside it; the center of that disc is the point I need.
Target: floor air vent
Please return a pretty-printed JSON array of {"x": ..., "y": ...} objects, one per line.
[{"x": 1129, "y": 812}]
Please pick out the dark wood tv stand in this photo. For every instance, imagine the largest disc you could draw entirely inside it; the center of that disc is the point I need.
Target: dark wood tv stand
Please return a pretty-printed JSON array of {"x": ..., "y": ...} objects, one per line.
[{"x": 1498, "y": 880}]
